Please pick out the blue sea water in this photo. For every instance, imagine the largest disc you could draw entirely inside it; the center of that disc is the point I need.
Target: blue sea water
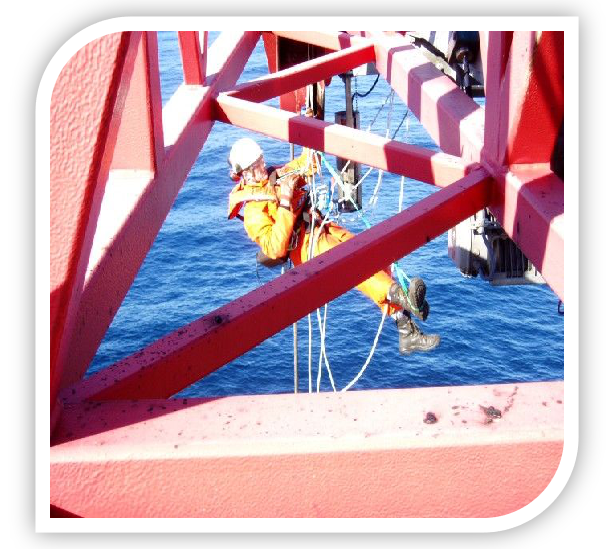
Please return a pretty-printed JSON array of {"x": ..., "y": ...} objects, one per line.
[{"x": 201, "y": 261}]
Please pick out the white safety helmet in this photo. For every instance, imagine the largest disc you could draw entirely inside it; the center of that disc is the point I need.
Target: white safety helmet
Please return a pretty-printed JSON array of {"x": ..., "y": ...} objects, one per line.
[{"x": 243, "y": 154}]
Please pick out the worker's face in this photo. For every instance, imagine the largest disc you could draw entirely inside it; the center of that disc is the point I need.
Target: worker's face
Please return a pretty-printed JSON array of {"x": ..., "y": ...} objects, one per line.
[{"x": 257, "y": 171}]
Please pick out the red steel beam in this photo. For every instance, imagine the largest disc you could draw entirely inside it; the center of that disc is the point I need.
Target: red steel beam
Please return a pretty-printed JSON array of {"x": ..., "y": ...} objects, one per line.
[
  {"x": 393, "y": 156},
  {"x": 303, "y": 74},
  {"x": 193, "y": 56},
  {"x": 88, "y": 95},
  {"x": 524, "y": 102},
  {"x": 533, "y": 88},
  {"x": 352, "y": 454},
  {"x": 495, "y": 48},
  {"x": 529, "y": 205},
  {"x": 520, "y": 126},
  {"x": 140, "y": 142},
  {"x": 187, "y": 125},
  {"x": 181, "y": 358}
]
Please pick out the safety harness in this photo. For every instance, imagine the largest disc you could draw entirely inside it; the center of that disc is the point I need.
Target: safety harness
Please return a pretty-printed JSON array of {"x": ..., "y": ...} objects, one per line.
[{"x": 242, "y": 193}]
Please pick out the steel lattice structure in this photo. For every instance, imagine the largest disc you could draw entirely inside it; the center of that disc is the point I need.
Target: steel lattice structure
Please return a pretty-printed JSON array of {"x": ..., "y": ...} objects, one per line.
[{"x": 121, "y": 447}]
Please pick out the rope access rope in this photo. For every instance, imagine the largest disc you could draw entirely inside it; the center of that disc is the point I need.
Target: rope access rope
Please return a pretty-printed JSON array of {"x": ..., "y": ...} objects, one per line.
[
  {"x": 401, "y": 275},
  {"x": 362, "y": 370},
  {"x": 308, "y": 104},
  {"x": 322, "y": 326},
  {"x": 403, "y": 278},
  {"x": 312, "y": 242}
]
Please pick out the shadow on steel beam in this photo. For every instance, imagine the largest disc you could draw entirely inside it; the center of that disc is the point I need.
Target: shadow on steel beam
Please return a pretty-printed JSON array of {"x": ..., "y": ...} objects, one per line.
[
  {"x": 58, "y": 512},
  {"x": 317, "y": 129},
  {"x": 449, "y": 129},
  {"x": 312, "y": 133},
  {"x": 545, "y": 81},
  {"x": 416, "y": 77},
  {"x": 88, "y": 418}
]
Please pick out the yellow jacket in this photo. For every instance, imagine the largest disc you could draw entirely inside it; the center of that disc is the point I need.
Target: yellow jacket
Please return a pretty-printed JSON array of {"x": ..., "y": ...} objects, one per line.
[{"x": 266, "y": 222}]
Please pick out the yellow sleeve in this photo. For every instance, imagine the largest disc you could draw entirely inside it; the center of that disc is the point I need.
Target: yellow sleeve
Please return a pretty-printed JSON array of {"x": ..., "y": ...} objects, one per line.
[
  {"x": 306, "y": 162},
  {"x": 271, "y": 234}
]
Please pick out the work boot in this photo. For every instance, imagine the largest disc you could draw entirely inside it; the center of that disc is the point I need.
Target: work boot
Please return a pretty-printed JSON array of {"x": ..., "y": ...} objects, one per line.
[
  {"x": 414, "y": 302},
  {"x": 411, "y": 338}
]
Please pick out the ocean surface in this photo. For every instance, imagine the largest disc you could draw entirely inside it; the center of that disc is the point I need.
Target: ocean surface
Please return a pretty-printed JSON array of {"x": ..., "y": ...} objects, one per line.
[{"x": 201, "y": 261}]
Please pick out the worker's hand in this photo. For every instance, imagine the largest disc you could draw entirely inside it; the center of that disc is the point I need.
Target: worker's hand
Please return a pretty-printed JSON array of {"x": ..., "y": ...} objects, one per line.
[
  {"x": 291, "y": 182},
  {"x": 287, "y": 186}
]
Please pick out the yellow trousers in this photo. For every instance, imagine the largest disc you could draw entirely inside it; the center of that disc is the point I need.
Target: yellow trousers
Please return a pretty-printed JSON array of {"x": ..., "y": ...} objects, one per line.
[{"x": 376, "y": 287}]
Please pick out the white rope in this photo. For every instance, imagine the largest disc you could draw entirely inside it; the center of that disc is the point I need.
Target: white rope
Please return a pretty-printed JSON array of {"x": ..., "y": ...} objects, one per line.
[
  {"x": 345, "y": 167},
  {"x": 309, "y": 104},
  {"x": 371, "y": 204},
  {"x": 322, "y": 325},
  {"x": 309, "y": 256},
  {"x": 322, "y": 322},
  {"x": 322, "y": 336},
  {"x": 362, "y": 370}
]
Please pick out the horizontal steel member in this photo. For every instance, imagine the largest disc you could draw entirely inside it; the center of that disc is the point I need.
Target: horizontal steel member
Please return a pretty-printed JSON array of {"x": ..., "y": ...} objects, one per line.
[
  {"x": 393, "y": 156},
  {"x": 382, "y": 453},
  {"x": 453, "y": 120},
  {"x": 303, "y": 74},
  {"x": 181, "y": 358}
]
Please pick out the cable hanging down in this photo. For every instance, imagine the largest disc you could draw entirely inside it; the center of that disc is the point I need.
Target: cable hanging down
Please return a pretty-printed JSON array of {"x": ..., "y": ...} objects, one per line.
[{"x": 324, "y": 199}]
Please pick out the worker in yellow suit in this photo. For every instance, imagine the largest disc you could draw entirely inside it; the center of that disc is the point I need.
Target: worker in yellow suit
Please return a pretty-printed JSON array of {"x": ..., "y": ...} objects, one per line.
[{"x": 276, "y": 216}]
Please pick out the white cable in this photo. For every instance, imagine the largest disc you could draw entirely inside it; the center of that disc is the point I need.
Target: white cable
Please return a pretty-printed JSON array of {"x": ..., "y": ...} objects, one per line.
[
  {"x": 379, "y": 331},
  {"x": 309, "y": 256},
  {"x": 322, "y": 324},
  {"x": 321, "y": 348},
  {"x": 374, "y": 196},
  {"x": 344, "y": 167}
]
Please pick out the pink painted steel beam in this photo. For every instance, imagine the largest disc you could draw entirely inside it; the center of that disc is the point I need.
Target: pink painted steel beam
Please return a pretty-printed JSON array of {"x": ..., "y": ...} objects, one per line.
[
  {"x": 529, "y": 202},
  {"x": 79, "y": 167},
  {"x": 457, "y": 125},
  {"x": 495, "y": 48},
  {"x": 193, "y": 59},
  {"x": 533, "y": 89},
  {"x": 529, "y": 205},
  {"x": 452, "y": 119},
  {"x": 187, "y": 126},
  {"x": 181, "y": 358},
  {"x": 303, "y": 74},
  {"x": 393, "y": 156},
  {"x": 353, "y": 454},
  {"x": 140, "y": 142}
]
